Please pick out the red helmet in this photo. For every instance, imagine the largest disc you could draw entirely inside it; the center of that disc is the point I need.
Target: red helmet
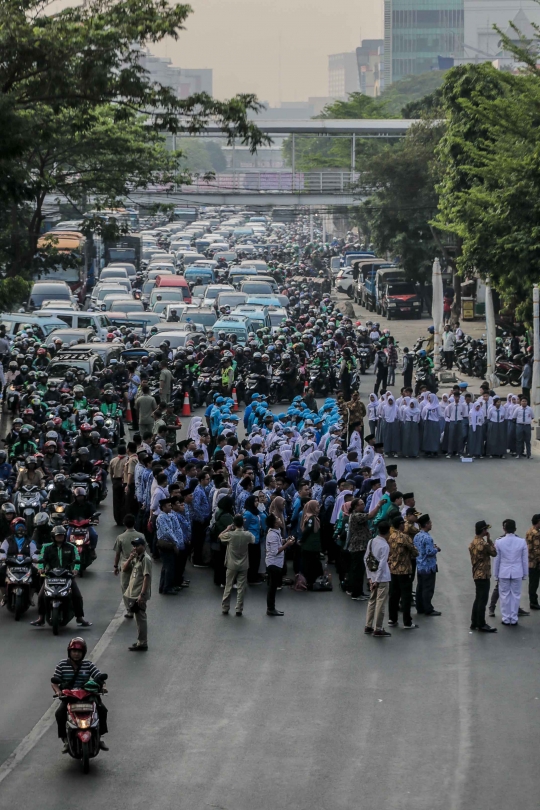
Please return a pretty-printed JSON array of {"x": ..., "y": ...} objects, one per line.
[
  {"x": 86, "y": 428},
  {"x": 57, "y": 421},
  {"x": 42, "y": 351},
  {"x": 77, "y": 643},
  {"x": 18, "y": 521}
]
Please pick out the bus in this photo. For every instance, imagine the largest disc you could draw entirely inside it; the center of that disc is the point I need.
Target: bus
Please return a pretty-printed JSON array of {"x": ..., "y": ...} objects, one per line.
[{"x": 76, "y": 244}]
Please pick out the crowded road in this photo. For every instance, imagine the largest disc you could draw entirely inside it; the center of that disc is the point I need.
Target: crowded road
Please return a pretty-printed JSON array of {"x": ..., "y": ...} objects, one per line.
[{"x": 225, "y": 712}]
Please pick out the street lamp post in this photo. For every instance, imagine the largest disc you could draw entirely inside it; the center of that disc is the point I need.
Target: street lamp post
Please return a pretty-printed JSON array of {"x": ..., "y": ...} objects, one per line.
[
  {"x": 535, "y": 393},
  {"x": 437, "y": 312}
]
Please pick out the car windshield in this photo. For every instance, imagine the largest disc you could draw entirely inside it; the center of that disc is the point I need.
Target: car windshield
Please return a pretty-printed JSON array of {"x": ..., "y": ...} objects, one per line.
[
  {"x": 402, "y": 288},
  {"x": 276, "y": 319},
  {"x": 254, "y": 288},
  {"x": 60, "y": 369},
  {"x": 175, "y": 340},
  {"x": 212, "y": 294},
  {"x": 148, "y": 286},
  {"x": 161, "y": 294},
  {"x": 204, "y": 318},
  {"x": 231, "y": 300},
  {"x": 100, "y": 294}
]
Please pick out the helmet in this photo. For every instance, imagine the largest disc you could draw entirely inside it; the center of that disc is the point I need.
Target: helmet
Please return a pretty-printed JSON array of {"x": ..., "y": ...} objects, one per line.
[
  {"x": 83, "y": 451},
  {"x": 59, "y": 530},
  {"x": 60, "y": 479},
  {"x": 41, "y": 519},
  {"x": 422, "y": 353},
  {"x": 94, "y": 435},
  {"x": 3, "y": 456},
  {"x": 18, "y": 521},
  {"x": 8, "y": 508},
  {"x": 51, "y": 436},
  {"x": 31, "y": 460},
  {"x": 79, "y": 491},
  {"x": 48, "y": 445},
  {"x": 85, "y": 427},
  {"x": 77, "y": 643}
]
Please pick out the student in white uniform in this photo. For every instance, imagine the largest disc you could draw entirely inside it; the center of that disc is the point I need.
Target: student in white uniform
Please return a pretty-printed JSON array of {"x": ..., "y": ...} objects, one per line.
[
  {"x": 524, "y": 416},
  {"x": 511, "y": 567}
]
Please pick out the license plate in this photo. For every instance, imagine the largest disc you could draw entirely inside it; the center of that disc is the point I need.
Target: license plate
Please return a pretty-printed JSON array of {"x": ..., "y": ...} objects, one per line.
[
  {"x": 82, "y": 707},
  {"x": 57, "y": 581},
  {"x": 20, "y": 571},
  {"x": 405, "y": 309}
]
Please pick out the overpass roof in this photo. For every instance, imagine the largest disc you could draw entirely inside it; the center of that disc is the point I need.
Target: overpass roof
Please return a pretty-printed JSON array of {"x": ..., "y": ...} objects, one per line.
[{"x": 385, "y": 127}]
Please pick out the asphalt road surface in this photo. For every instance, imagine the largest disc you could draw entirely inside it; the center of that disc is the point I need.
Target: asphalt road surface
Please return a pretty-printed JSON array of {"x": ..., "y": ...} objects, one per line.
[{"x": 304, "y": 710}]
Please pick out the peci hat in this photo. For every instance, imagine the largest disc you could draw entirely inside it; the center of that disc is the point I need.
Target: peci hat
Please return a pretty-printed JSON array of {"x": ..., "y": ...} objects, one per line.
[{"x": 480, "y": 526}]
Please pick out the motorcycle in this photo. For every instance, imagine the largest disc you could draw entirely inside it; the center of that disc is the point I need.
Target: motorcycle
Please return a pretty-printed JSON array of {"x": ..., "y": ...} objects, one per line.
[
  {"x": 509, "y": 371},
  {"x": 18, "y": 584},
  {"x": 82, "y": 726},
  {"x": 79, "y": 535},
  {"x": 28, "y": 504},
  {"x": 98, "y": 486},
  {"x": 320, "y": 382},
  {"x": 365, "y": 359},
  {"x": 57, "y": 513},
  {"x": 256, "y": 384},
  {"x": 58, "y": 603},
  {"x": 425, "y": 377},
  {"x": 12, "y": 398}
]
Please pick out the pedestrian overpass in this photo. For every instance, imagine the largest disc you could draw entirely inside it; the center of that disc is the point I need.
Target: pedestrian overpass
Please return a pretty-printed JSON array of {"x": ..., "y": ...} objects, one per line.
[{"x": 266, "y": 187}]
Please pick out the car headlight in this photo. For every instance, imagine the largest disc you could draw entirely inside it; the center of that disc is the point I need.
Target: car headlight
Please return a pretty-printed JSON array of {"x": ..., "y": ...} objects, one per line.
[
  {"x": 392, "y": 304},
  {"x": 416, "y": 304}
]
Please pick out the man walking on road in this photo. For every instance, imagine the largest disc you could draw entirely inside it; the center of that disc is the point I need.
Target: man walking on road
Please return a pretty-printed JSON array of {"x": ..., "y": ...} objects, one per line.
[
  {"x": 116, "y": 470},
  {"x": 139, "y": 590},
  {"x": 123, "y": 548},
  {"x": 379, "y": 580},
  {"x": 236, "y": 563},
  {"x": 380, "y": 368},
  {"x": 449, "y": 343},
  {"x": 532, "y": 539},
  {"x": 511, "y": 567},
  {"x": 426, "y": 567},
  {"x": 481, "y": 550}
]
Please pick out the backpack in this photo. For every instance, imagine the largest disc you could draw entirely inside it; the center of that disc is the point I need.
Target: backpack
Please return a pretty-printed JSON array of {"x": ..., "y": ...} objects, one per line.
[{"x": 300, "y": 583}]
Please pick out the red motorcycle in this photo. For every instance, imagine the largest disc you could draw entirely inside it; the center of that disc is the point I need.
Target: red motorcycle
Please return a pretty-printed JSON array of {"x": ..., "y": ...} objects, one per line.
[
  {"x": 79, "y": 535},
  {"x": 82, "y": 726},
  {"x": 509, "y": 371}
]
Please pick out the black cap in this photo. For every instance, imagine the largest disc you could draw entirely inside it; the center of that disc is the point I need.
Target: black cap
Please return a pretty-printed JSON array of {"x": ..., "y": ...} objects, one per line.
[
  {"x": 480, "y": 526},
  {"x": 164, "y": 502},
  {"x": 423, "y": 519},
  {"x": 407, "y": 495},
  {"x": 379, "y": 444},
  {"x": 138, "y": 541}
]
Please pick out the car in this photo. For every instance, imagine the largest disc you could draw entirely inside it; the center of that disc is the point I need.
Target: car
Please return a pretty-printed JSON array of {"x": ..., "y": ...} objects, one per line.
[
  {"x": 176, "y": 339},
  {"x": 128, "y": 267},
  {"x": 165, "y": 295},
  {"x": 42, "y": 291},
  {"x": 89, "y": 362},
  {"x": 230, "y": 299},
  {"x": 101, "y": 290},
  {"x": 67, "y": 335},
  {"x": 276, "y": 315},
  {"x": 122, "y": 303},
  {"x": 106, "y": 351},
  {"x": 81, "y": 319},
  {"x": 204, "y": 315},
  {"x": 253, "y": 288},
  {"x": 138, "y": 322},
  {"x": 156, "y": 271},
  {"x": 213, "y": 291},
  {"x": 112, "y": 273},
  {"x": 42, "y": 323},
  {"x": 345, "y": 280}
]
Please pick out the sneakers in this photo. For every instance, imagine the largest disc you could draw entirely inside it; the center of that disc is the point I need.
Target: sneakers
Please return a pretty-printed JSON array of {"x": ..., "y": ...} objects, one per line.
[
  {"x": 138, "y": 647},
  {"x": 65, "y": 747},
  {"x": 128, "y": 615},
  {"x": 487, "y": 629},
  {"x": 38, "y": 622},
  {"x": 238, "y": 613},
  {"x": 225, "y": 611},
  {"x": 200, "y": 566},
  {"x": 83, "y": 623},
  {"x": 409, "y": 626},
  {"x": 103, "y": 745},
  {"x": 368, "y": 630},
  {"x": 434, "y": 613},
  {"x": 491, "y": 612},
  {"x": 361, "y": 598},
  {"x": 381, "y": 634},
  {"x": 392, "y": 623},
  {"x": 275, "y": 613},
  {"x": 522, "y": 612}
]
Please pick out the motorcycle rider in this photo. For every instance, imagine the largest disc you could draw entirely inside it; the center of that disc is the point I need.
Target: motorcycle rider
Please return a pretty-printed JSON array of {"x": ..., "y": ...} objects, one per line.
[
  {"x": 42, "y": 530},
  {"x": 74, "y": 672},
  {"x": 60, "y": 554},
  {"x": 259, "y": 369},
  {"x": 346, "y": 372},
  {"x": 17, "y": 542},
  {"x": 60, "y": 493},
  {"x": 82, "y": 463},
  {"x": 53, "y": 462},
  {"x": 23, "y": 446},
  {"x": 6, "y": 470},
  {"x": 82, "y": 509},
  {"x": 98, "y": 451},
  {"x": 30, "y": 476},
  {"x": 288, "y": 373}
]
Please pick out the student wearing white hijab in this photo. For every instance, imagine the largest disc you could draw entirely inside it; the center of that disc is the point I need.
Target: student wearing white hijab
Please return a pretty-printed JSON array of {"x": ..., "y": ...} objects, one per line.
[
  {"x": 496, "y": 430},
  {"x": 431, "y": 434},
  {"x": 380, "y": 417},
  {"x": 475, "y": 436},
  {"x": 391, "y": 427},
  {"x": 410, "y": 429},
  {"x": 373, "y": 404}
]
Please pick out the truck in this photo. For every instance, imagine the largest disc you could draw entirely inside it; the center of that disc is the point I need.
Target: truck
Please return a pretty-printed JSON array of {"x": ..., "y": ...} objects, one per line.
[
  {"x": 365, "y": 292},
  {"x": 397, "y": 296},
  {"x": 127, "y": 248}
]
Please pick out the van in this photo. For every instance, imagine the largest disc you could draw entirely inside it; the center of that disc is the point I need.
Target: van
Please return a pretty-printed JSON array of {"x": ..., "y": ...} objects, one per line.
[
  {"x": 42, "y": 323},
  {"x": 256, "y": 316},
  {"x": 233, "y": 325},
  {"x": 206, "y": 274},
  {"x": 176, "y": 282},
  {"x": 52, "y": 290},
  {"x": 236, "y": 277},
  {"x": 76, "y": 319}
]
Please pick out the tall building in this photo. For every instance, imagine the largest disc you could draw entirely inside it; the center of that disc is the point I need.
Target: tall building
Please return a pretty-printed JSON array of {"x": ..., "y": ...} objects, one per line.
[
  {"x": 417, "y": 33},
  {"x": 370, "y": 68},
  {"x": 342, "y": 74},
  {"x": 184, "y": 81},
  {"x": 480, "y": 37}
]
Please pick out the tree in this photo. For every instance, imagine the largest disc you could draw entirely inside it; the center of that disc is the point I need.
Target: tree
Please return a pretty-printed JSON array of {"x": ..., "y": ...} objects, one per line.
[
  {"x": 81, "y": 118},
  {"x": 402, "y": 201},
  {"x": 490, "y": 181}
]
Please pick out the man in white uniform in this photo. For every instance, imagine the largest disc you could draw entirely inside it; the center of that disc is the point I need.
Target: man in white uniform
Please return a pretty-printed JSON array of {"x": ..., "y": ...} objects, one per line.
[{"x": 511, "y": 567}]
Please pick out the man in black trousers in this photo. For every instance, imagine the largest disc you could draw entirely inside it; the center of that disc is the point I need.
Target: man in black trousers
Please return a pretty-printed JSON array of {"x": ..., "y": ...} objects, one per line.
[{"x": 481, "y": 550}]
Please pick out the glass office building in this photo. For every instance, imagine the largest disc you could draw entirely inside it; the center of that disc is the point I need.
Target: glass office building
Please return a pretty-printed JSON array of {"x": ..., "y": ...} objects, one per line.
[{"x": 417, "y": 32}]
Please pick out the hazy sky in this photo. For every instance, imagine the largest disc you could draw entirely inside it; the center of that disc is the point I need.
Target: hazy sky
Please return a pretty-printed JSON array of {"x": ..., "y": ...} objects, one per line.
[{"x": 277, "y": 49}]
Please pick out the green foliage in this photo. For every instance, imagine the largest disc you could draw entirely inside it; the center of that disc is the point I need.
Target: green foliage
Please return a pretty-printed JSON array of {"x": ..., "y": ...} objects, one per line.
[
  {"x": 13, "y": 293},
  {"x": 396, "y": 216},
  {"x": 400, "y": 98},
  {"x": 201, "y": 156},
  {"x": 490, "y": 176},
  {"x": 81, "y": 119}
]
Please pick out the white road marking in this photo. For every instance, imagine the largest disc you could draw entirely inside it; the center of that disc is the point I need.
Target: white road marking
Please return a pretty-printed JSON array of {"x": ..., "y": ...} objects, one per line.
[{"x": 47, "y": 720}]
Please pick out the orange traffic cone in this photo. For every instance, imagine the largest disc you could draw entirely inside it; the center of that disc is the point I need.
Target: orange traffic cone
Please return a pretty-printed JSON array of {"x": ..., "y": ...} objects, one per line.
[
  {"x": 235, "y": 400},
  {"x": 129, "y": 416},
  {"x": 186, "y": 409}
]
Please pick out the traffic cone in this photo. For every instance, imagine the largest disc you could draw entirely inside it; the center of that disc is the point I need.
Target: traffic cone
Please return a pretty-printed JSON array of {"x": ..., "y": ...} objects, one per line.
[
  {"x": 235, "y": 399},
  {"x": 305, "y": 387},
  {"x": 129, "y": 417},
  {"x": 186, "y": 409}
]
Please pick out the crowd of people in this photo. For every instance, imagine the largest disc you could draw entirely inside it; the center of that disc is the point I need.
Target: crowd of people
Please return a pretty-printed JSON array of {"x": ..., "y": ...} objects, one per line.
[{"x": 302, "y": 493}]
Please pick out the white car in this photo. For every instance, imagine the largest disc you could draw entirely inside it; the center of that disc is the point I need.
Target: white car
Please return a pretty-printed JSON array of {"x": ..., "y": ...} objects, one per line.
[
  {"x": 345, "y": 280},
  {"x": 212, "y": 292}
]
